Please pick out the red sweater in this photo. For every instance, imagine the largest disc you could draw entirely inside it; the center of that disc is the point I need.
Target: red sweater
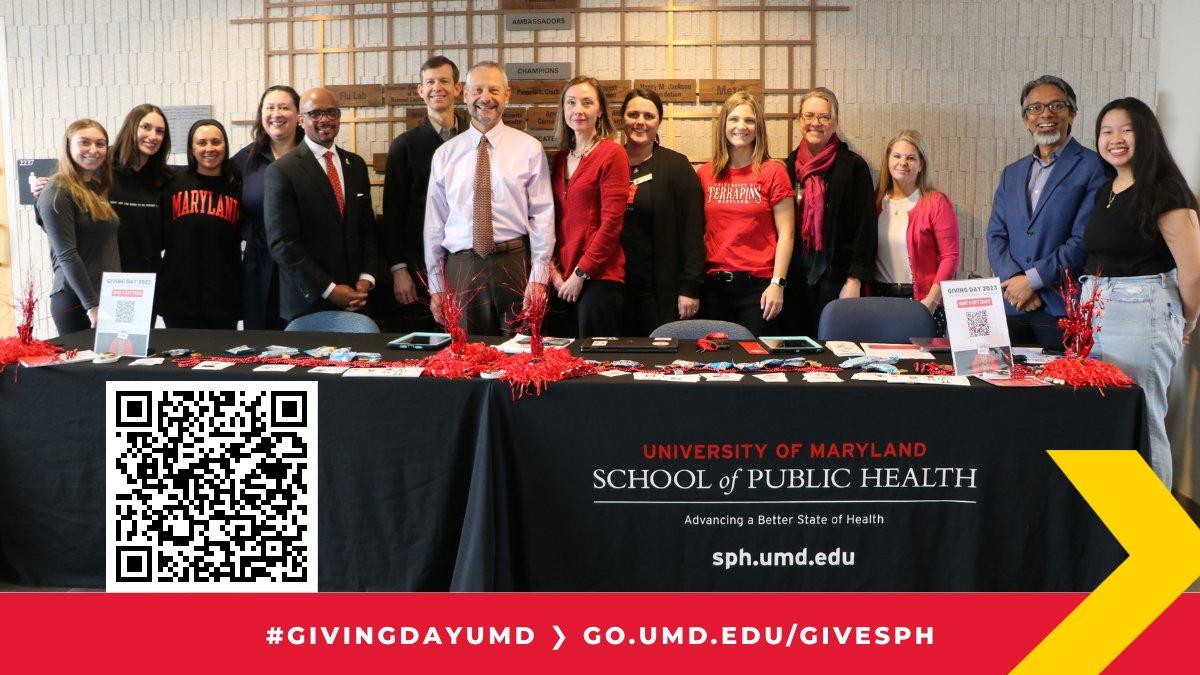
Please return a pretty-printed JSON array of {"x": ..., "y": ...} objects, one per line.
[
  {"x": 932, "y": 243},
  {"x": 589, "y": 211}
]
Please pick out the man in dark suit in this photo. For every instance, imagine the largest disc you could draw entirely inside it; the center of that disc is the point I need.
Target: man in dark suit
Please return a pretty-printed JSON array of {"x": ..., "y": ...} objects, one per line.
[
  {"x": 1035, "y": 233},
  {"x": 318, "y": 217},
  {"x": 405, "y": 184}
]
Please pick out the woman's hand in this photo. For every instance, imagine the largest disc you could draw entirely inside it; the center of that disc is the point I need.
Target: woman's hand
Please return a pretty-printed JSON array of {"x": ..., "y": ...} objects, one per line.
[
  {"x": 569, "y": 289},
  {"x": 556, "y": 278},
  {"x": 771, "y": 302},
  {"x": 930, "y": 303},
  {"x": 688, "y": 307},
  {"x": 94, "y": 316},
  {"x": 1188, "y": 329},
  {"x": 851, "y": 289}
]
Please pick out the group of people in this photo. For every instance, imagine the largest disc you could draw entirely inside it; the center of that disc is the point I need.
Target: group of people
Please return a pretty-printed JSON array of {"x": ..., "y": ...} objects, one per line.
[{"x": 620, "y": 232}]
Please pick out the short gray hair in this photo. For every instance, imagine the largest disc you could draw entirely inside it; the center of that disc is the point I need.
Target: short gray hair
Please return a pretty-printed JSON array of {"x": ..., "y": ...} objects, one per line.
[
  {"x": 488, "y": 64},
  {"x": 1049, "y": 79}
]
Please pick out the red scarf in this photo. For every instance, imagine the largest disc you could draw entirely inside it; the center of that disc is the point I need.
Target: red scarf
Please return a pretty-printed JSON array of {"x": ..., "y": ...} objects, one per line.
[{"x": 811, "y": 216}]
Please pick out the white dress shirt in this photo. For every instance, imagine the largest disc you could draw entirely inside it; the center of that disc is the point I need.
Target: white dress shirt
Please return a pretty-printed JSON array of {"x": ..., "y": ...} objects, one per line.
[
  {"x": 522, "y": 203},
  {"x": 319, "y": 151}
]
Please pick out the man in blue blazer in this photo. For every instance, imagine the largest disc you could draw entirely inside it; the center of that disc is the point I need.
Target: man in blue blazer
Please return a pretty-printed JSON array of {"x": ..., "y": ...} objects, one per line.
[{"x": 1035, "y": 234}]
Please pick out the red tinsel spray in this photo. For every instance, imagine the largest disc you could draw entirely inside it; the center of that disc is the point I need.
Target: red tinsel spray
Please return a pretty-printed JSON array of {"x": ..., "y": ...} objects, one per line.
[
  {"x": 23, "y": 344},
  {"x": 1075, "y": 368}
]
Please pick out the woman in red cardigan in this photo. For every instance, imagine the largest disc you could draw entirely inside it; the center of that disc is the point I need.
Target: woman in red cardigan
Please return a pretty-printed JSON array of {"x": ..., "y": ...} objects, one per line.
[
  {"x": 918, "y": 232},
  {"x": 591, "y": 183}
]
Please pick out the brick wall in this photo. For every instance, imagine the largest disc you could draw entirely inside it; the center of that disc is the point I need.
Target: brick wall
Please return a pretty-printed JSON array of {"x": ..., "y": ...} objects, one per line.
[{"x": 950, "y": 69}]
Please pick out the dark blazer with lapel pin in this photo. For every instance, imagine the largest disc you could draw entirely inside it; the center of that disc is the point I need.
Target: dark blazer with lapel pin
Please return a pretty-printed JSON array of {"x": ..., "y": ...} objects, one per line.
[{"x": 311, "y": 242}]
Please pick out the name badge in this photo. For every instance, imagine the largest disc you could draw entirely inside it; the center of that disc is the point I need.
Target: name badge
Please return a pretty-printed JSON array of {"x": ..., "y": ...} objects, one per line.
[{"x": 641, "y": 179}]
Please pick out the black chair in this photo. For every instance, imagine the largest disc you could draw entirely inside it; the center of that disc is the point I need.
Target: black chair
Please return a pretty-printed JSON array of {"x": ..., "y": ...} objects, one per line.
[
  {"x": 333, "y": 322},
  {"x": 891, "y": 320},
  {"x": 692, "y": 329}
]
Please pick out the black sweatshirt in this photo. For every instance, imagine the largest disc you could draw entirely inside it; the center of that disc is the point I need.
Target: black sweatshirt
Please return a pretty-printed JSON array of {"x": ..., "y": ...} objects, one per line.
[{"x": 201, "y": 272}]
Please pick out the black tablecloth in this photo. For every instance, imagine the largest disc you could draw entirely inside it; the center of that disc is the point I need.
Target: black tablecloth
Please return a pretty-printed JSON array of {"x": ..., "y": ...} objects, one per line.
[{"x": 439, "y": 484}]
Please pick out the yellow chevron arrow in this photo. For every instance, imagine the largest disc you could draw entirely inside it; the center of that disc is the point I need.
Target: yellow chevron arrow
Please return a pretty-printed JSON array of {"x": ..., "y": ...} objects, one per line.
[{"x": 1164, "y": 559}]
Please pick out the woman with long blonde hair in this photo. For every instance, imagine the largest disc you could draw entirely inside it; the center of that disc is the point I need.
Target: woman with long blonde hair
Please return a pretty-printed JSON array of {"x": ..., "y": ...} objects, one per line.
[
  {"x": 748, "y": 220},
  {"x": 918, "y": 231},
  {"x": 81, "y": 225}
]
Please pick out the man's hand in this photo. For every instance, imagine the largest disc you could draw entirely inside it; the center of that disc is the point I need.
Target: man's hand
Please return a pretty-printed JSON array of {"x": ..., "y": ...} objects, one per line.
[
  {"x": 435, "y": 307},
  {"x": 533, "y": 289},
  {"x": 403, "y": 287},
  {"x": 349, "y": 299},
  {"x": 688, "y": 307},
  {"x": 1020, "y": 294},
  {"x": 851, "y": 289}
]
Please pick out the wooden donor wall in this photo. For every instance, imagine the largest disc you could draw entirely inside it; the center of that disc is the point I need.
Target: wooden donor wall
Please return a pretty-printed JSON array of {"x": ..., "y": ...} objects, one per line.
[{"x": 693, "y": 53}]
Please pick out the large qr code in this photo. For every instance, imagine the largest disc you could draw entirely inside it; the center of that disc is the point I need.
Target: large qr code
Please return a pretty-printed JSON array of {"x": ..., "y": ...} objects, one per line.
[
  {"x": 211, "y": 486},
  {"x": 977, "y": 323}
]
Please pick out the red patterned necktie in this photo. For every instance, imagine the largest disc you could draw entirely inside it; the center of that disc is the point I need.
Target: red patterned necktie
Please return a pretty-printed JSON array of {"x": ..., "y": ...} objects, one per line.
[
  {"x": 483, "y": 240},
  {"x": 331, "y": 171}
]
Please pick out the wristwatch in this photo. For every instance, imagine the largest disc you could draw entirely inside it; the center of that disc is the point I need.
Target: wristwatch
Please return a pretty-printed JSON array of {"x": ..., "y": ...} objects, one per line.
[
  {"x": 780, "y": 281},
  {"x": 580, "y": 273}
]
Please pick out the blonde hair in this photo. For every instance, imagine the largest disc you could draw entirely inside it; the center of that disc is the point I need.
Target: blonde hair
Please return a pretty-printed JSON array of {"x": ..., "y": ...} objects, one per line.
[
  {"x": 913, "y": 138},
  {"x": 90, "y": 196},
  {"x": 823, "y": 94},
  {"x": 760, "y": 153},
  {"x": 604, "y": 126}
]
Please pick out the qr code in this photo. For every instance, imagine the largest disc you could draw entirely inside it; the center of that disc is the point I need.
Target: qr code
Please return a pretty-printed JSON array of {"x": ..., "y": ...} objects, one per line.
[
  {"x": 977, "y": 323},
  {"x": 123, "y": 311},
  {"x": 211, "y": 486}
]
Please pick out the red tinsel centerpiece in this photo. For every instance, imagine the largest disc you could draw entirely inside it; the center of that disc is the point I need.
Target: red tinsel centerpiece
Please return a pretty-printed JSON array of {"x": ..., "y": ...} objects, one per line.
[
  {"x": 23, "y": 344},
  {"x": 1075, "y": 368},
  {"x": 530, "y": 318}
]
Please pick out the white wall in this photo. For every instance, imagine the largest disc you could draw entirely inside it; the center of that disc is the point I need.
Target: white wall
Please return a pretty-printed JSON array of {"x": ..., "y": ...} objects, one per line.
[{"x": 1177, "y": 106}]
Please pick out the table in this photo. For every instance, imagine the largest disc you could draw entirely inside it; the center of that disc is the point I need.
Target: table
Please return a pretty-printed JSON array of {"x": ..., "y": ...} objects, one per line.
[{"x": 452, "y": 485}]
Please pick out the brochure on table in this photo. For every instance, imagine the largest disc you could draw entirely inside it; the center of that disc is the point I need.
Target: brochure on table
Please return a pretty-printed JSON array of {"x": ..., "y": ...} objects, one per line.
[
  {"x": 126, "y": 314},
  {"x": 975, "y": 323}
]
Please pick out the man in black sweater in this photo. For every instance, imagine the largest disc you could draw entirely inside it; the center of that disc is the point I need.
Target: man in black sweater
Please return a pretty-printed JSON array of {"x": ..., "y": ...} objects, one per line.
[{"x": 405, "y": 184}]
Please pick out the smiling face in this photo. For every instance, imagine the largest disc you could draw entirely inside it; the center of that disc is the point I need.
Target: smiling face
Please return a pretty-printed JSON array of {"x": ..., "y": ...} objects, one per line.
[
  {"x": 1049, "y": 127},
  {"x": 279, "y": 115},
  {"x": 88, "y": 148},
  {"x": 904, "y": 165},
  {"x": 438, "y": 88},
  {"x": 581, "y": 109},
  {"x": 151, "y": 130},
  {"x": 320, "y": 116},
  {"x": 1116, "y": 140},
  {"x": 486, "y": 96},
  {"x": 818, "y": 123},
  {"x": 641, "y": 121},
  {"x": 208, "y": 147},
  {"x": 741, "y": 128}
]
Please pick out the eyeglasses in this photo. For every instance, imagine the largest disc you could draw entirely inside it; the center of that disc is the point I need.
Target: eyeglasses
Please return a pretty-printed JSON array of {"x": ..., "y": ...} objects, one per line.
[
  {"x": 316, "y": 115},
  {"x": 809, "y": 118},
  {"x": 1054, "y": 106}
]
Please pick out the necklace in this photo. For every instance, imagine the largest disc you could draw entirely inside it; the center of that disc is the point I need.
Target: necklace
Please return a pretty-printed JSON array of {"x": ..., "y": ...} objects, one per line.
[
  {"x": 1112, "y": 194},
  {"x": 581, "y": 155}
]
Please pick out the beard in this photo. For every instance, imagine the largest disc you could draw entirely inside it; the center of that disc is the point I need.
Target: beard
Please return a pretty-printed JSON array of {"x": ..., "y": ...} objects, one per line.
[{"x": 1048, "y": 139}]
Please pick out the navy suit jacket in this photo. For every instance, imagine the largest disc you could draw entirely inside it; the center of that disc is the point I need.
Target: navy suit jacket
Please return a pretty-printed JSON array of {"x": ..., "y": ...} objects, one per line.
[
  {"x": 312, "y": 243},
  {"x": 1050, "y": 239}
]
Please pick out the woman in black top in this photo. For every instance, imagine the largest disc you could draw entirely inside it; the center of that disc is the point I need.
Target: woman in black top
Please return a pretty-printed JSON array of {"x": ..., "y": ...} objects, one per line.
[
  {"x": 663, "y": 234},
  {"x": 81, "y": 226},
  {"x": 200, "y": 283},
  {"x": 276, "y": 132},
  {"x": 1143, "y": 241},
  {"x": 140, "y": 172},
  {"x": 836, "y": 224}
]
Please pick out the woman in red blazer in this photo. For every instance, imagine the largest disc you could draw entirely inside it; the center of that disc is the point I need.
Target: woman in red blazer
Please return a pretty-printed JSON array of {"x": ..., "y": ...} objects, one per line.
[
  {"x": 918, "y": 231},
  {"x": 590, "y": 182}
]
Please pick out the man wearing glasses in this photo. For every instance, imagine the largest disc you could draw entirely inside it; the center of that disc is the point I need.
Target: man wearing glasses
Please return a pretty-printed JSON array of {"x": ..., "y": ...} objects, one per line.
[
  {"x": 1035, "y": 233},
  {"x": 318, "y": 217}
]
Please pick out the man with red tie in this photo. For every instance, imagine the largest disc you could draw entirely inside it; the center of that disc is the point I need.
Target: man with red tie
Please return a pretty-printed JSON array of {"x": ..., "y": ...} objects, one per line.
[{"x": 318, "y": 217}]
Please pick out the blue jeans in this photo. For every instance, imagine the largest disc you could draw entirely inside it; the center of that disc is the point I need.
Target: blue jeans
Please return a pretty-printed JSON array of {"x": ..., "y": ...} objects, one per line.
[{"x": 1141, "y": 332}]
